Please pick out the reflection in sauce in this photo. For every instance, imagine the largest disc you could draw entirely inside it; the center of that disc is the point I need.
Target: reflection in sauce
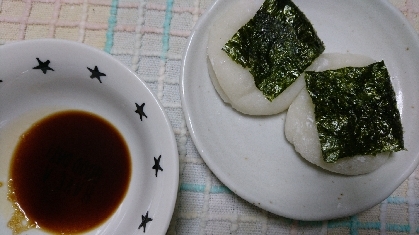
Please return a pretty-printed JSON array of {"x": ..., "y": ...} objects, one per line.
[{"x": 69, "y": 173}]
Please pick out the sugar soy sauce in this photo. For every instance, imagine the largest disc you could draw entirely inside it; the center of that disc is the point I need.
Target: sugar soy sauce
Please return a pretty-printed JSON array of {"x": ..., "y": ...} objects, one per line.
[{"x": 70, "y": 172}]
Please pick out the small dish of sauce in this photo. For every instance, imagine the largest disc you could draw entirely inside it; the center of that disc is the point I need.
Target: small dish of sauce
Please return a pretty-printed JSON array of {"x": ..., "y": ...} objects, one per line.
[{"x": 69, "y": 173}]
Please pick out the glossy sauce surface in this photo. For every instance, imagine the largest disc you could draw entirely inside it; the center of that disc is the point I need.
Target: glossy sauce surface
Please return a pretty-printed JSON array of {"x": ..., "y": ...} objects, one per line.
[{"x": 70, "y": 172}]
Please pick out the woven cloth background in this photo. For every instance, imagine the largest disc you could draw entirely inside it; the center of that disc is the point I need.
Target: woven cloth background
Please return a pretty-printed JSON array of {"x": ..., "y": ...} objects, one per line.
[{"x": 149, "y": 36}]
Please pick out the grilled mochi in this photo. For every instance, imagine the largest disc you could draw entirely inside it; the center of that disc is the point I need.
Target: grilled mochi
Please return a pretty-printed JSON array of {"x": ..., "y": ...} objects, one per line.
[
  {"x": 257, "y": 51},
  {"x": 346, "y": 120}
]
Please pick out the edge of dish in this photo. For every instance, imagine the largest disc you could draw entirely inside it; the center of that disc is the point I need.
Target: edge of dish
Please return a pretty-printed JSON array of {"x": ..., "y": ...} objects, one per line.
[{"x": 222, "y": 176}]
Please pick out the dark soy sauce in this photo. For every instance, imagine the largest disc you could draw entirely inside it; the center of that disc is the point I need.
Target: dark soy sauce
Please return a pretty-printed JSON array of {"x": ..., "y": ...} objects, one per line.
[{"x": 70, "y": 171}]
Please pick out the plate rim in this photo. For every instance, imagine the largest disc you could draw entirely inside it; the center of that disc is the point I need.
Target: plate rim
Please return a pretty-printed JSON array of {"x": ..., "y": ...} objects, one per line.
[
  {"x": 169, "y": 189},
  {"x": 222, "y": 176}
]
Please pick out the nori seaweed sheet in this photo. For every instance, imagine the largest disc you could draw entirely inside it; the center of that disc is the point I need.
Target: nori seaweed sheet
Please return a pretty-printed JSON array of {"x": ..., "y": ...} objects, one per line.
[
  {"x": 277, "y": 45},
  {"x": 356, "y": 111}
]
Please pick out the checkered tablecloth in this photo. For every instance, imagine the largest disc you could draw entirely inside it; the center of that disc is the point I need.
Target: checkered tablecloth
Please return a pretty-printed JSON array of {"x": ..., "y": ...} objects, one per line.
[{"x": 149, "y": 36}]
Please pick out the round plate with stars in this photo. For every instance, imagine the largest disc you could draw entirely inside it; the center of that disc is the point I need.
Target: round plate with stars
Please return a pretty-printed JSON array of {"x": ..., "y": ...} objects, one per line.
[
  {"x": 251, "y": 155},
  {"x": 41, "y": 77}
]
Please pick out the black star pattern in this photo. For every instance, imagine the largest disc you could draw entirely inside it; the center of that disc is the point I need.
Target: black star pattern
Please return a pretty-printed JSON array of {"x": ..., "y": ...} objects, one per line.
[
  {"x": 44, "y": 66},
  {"x": 140, "y": 110},
  {"x": 144, "y": 221},
  {"x": 96, "y": 73},
  {"x": 157, "y": 166}
]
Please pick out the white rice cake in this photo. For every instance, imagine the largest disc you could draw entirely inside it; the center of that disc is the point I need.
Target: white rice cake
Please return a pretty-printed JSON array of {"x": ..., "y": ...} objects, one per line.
[
  {"x": 301, "y": 130},
  {"x": 235, "y": 84}
]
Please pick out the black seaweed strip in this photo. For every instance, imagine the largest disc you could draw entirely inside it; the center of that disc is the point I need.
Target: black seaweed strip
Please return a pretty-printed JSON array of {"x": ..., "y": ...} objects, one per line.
[
  {"x": 356, "y": 111},
  {"x": 277, "y": 45}
]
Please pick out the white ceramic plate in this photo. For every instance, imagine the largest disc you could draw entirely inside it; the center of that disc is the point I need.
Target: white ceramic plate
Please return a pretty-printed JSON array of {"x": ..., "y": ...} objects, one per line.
[
  {"x": 28, "y": 94},
  {"x": 251, "y": 156}
]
